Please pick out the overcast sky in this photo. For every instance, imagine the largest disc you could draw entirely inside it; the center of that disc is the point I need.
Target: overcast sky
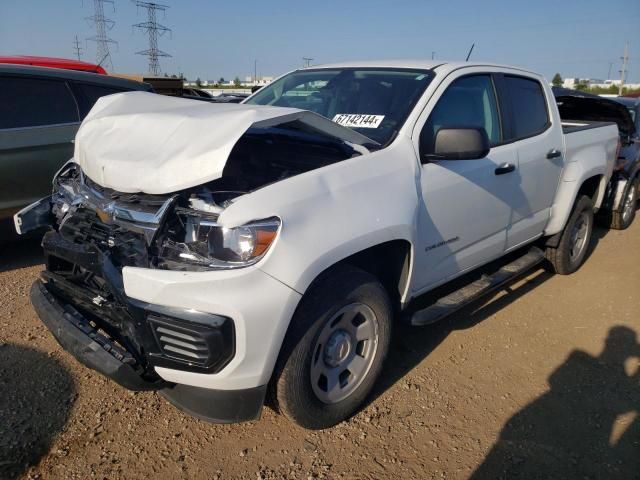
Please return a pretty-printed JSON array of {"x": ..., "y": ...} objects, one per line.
[{"x": 211, "y": 39}]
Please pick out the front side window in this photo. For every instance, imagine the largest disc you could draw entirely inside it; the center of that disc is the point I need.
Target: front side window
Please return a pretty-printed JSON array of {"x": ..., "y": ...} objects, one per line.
[
  {"x": 529, "y": 107},
  {"x": 374, "y": 102},
  {"x": 34, "y": 102},
  {"x": 468, "y": 102}
]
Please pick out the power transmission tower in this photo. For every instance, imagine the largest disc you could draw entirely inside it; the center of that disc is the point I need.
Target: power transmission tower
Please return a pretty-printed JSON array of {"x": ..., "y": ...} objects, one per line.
[
  {"x": 103, "y": 25},
  {"x": 623, "y": 72},
  {"x": 307, "y": 61},
  {"x": 152, "y": 28},
  {"x": 77, "y": 48}
]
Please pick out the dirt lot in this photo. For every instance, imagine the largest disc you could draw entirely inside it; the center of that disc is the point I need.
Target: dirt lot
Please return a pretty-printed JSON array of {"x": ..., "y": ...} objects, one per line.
[{"x": 542, "y": 381}]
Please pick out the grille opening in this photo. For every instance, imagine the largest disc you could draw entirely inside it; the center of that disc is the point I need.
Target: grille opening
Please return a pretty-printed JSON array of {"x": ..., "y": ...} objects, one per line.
[{"x": 190, "y": 342}]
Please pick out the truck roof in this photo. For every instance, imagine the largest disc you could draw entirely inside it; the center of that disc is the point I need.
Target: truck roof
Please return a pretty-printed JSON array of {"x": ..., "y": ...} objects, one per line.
[{"x": 416, "y": 64}]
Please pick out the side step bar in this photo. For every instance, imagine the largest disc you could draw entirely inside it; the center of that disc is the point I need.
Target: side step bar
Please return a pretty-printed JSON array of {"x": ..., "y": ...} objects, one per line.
[{"x": 454, "y": 301}]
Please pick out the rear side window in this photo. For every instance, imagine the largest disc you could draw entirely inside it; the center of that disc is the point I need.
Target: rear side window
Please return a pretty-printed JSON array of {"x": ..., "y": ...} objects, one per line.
[
  {"x": 34, "y": 102},
  {"x": 91, "y": 93},
  {"x": 529, "y": 106}
]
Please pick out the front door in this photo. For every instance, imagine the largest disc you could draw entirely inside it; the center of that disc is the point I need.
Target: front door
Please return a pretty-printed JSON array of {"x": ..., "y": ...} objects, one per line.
[{"x": 466, "y": 204}]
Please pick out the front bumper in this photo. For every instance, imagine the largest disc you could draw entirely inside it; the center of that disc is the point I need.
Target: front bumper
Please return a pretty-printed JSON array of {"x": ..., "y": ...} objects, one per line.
[
  {"x": 115, "y": 331},
  {"x": 78, "y": 336}
]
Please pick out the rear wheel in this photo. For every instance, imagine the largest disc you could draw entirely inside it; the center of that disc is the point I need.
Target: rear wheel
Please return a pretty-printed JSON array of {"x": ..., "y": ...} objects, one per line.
[
  {"x": 623, "y": 217},
  {"x": 334, "y": 349},
  {"x": 574, "y": 242}
]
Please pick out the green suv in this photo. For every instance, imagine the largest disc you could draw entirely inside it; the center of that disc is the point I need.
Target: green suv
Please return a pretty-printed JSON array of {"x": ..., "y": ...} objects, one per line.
[{"x": 40, "y": 112}]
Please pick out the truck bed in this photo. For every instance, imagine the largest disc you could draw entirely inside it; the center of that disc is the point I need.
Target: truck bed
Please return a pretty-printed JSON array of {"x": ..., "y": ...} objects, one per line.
[{"x": 571, "y": 126}]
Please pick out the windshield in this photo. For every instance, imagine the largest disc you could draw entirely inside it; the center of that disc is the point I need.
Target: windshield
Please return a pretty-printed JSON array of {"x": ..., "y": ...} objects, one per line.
[{"x": 373, "y": 102}]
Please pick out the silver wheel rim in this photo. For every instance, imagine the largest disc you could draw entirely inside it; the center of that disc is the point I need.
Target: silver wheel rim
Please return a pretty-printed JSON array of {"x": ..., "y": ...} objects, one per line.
[
  {"x": 344, "y": 352},
  {"x": 579, "y": 234},
  {"x": 629, "y": 204}
]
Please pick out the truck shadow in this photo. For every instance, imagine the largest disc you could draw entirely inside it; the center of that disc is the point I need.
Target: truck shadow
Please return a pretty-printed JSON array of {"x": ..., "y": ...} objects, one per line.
[
  {"x": 586, "y": 425},
  {"x": 36, "y": 395}
]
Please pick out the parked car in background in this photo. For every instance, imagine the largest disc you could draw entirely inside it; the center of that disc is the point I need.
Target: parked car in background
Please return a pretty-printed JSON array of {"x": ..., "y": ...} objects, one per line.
[
  {"x": 633, "y": 105},
  {"x": 273, "y": 244},
  {"x": 52, "y": 62},
  {"x": 195, "y": 92},
  {"x": 40, "y": 112},
  {"x": 621, "y": 199}
]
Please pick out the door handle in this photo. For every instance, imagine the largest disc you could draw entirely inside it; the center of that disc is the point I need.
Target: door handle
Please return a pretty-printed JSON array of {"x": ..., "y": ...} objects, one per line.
[
  {"x": 505, "y": 168},
  {"x": 554, "y": 153}
]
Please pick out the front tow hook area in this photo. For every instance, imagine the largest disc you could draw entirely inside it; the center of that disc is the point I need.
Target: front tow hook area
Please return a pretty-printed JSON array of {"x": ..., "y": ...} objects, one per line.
[{"x": 88, "y": 345}]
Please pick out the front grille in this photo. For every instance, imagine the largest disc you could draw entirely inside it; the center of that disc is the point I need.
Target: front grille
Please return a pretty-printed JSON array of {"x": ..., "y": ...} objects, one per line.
[
  {"x": 145, "y": 202},
  {"x": 127, "y": 248}
]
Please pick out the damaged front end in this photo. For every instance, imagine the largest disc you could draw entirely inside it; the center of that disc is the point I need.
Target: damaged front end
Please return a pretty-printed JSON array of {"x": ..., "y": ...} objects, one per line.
[{"x": 95, "y": 232}]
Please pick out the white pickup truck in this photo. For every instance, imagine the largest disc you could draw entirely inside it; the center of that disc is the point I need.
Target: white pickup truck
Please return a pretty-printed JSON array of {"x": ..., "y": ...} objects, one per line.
[{"x": 219, "y": 252}]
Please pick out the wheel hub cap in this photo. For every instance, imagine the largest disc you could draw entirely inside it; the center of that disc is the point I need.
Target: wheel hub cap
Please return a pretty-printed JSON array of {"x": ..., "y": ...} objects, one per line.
[
  {"x": 344, "y": 352},
  {"x": 337, "y": 348}
]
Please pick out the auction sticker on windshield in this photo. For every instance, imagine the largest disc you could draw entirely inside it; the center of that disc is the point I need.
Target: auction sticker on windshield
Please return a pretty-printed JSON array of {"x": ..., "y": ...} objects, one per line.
[{"x": 358, "y": 120}]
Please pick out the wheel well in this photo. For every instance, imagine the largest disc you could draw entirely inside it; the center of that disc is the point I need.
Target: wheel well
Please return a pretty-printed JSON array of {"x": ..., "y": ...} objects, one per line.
[
  {"x": 590, "y": 188},
  {"x": 389, "y": 262}
]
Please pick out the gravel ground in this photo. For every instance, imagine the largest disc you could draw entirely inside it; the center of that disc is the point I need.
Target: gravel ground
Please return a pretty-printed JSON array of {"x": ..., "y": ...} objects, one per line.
[{"x": 542, "y": 381}]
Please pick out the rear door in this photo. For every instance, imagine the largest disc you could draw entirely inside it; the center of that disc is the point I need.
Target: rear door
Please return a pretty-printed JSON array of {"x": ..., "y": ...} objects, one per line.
[
  {"x": 38, "y": 121},
  {"x": 529, "y": 126}
]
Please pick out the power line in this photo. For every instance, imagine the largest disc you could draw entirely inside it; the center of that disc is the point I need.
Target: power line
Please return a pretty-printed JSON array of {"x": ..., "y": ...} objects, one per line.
[
  {"x": 76, "y": 47},
  {"x": 152, "y": 28},
  {"x": 103, "y": 25}
]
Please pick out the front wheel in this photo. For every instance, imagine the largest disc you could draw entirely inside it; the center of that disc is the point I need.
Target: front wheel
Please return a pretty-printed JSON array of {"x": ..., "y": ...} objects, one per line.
[
  {"x": 334, "y": 349},
  {"x": 574, "y": 242}
]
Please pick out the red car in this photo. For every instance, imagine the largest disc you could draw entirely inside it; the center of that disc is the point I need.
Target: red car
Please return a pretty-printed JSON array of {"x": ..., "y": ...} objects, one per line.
[{"x": 52, "y": 62}]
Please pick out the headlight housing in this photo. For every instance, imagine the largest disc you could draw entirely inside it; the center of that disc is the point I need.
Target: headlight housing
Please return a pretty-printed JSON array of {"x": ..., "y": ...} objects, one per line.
[{"x": 198, "y": 242}]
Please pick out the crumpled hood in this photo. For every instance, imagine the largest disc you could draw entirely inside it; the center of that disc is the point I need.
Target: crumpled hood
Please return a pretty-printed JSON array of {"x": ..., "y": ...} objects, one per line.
[{"x": 144, "y": 142}]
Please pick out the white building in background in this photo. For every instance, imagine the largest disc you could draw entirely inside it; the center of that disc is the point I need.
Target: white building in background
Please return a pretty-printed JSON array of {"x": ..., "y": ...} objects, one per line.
[
  {"x": 574, "y": 82},
  {"x": 595, "y": 82},
  {"x": 260, "y": 81}
]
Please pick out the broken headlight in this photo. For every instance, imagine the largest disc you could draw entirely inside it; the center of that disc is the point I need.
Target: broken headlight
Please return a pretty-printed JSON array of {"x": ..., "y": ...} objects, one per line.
[{"x": 198, "y": 242}]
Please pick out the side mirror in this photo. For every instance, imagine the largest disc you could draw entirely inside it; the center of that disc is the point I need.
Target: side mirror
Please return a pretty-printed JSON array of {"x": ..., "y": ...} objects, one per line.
[{"x": 465, "y": 143}]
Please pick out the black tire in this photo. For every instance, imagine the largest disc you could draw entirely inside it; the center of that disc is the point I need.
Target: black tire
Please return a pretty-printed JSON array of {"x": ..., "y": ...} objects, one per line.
[
  {"x": 560, "y": 258},
  {"x": 291, "y": 386},
  {"x": 618, "y": 219}
]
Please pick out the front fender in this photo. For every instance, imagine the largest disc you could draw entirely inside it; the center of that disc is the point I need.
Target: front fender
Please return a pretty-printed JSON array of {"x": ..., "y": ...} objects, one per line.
[{"x": 331, "y": 213}]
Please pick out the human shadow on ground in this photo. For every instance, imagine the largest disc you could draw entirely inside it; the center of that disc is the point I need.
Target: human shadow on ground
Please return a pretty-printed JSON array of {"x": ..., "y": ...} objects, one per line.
[
  {"x": 36, "y": 395},
  {"x": 21, "y": 253},
  {"x": 586, "y": 426}
]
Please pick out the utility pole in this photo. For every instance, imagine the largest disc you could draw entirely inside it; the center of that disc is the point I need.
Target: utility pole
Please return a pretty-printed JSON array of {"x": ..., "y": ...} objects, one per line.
[
  {"x": 307, "y": 61},
  {"x": 433, "y": 55},
  {"x": 152, "y": 28},
  {"x": 623, "y": 72},
  {"x": 609, "y": 74},
  {"x": 103, "y": 25},
  {"x": 255, "y": 72},
  {"x": 76, "y": 47}
]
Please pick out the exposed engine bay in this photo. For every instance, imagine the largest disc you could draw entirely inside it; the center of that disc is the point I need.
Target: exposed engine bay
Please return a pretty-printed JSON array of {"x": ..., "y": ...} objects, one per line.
[{"x": 179, "y": 230}]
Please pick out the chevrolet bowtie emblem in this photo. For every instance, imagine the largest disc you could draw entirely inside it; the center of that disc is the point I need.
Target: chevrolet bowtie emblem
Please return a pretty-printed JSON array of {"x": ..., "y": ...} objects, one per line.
[{"x": 106, "y": 214}]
